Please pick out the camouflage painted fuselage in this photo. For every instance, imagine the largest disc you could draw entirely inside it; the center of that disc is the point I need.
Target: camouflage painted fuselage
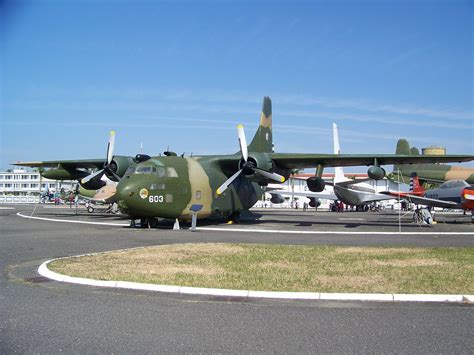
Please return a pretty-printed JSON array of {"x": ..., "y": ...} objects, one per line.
[
  {"x": 428, "y": 172},
  {"x": 168, "y": 186},
  {"x": 436, "y": 172}
]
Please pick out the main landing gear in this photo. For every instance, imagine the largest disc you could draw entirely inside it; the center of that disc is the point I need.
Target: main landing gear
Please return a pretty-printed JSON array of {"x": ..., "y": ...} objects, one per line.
[{"x": 145, "y": 222}]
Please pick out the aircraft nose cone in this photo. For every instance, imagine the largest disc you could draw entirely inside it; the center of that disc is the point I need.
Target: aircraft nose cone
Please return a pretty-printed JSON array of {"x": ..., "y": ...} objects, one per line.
[{"x": 126, "y": 194}]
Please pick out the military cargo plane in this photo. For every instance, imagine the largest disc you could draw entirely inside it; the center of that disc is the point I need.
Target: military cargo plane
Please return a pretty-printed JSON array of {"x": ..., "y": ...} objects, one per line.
[
  {"x": 437, "y": 173},
  {"x": 222, "y": 186}
]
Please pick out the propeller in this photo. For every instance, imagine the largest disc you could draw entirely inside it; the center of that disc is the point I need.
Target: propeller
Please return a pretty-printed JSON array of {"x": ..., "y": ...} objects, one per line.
[
  {"x": 108, "y": 165},
  {"x": 248, "y": 167}
]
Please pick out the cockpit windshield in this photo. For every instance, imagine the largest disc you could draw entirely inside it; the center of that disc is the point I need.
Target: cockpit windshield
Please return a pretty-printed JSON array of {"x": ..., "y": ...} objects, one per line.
[
  {"x": 143, "y": 170},
  {"x": 160, "y": 171},
  {"x": 454, "y": 183}
]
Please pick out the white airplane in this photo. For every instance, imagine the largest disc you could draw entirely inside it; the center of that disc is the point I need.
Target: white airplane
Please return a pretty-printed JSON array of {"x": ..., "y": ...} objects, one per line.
[{"x": 349, "y": 191}]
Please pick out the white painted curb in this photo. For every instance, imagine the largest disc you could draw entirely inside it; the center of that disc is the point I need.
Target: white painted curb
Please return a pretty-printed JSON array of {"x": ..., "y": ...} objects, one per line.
[
  {"x": 19, "y": 214},
  {"x": 44, "y": 271}
]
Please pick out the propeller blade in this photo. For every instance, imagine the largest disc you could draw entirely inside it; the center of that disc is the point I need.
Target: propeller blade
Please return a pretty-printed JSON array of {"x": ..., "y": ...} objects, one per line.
[
  {"x": 114, "y": 174},
  {"x": 93, "y": 175},
  {"x": 242, "y": 142},
  {"x": 110, "y": 147},
  {"x": 270, "y": 175},
  {"x": 226, "y": 184}
]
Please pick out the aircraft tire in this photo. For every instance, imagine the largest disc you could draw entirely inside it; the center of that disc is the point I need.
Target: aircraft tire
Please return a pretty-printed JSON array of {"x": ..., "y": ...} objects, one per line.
[
  {"x": 144, "y": 222},
  {"x": 153, "y": 222}
]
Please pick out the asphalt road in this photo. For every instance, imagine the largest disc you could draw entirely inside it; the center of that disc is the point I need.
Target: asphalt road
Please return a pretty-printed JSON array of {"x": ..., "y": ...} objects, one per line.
[{"x": 41, "y": 316}]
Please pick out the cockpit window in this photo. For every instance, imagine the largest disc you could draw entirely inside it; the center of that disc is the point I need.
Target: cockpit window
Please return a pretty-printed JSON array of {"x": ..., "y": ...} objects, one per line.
[
  {"x": 130, "y": 170},
  {"x": 454, "y": 183},
  {"x": 143, "y": 170},
  {"x": 171, "y": 172},
  {"x": 160, "y": 171}
]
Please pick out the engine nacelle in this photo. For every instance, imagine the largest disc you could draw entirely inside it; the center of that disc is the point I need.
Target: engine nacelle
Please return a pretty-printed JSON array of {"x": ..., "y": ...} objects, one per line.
[
  {"x": 314, "y": 202},
  {"x": 277, "y": 198},
  {"x": 256, "y": 160},
  {"x": 376, "y": 173},
  {"x": 119, "y": 165},
  {"x": 315, "y": 184},
  {"x": 64, "y": 174},
  {"x": 94, "y": 184}
]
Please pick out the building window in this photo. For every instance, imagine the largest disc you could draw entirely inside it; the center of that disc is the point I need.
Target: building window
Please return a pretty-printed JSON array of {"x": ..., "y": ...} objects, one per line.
[
  {"x": 8, "y": 177},
  {"x": 2, "y": 177},
  {"x": 24, "y": 186},
  {"x": 16, "y": 177},
  {"x": 34, "y": 186},
  {"x": 24, "y": 177},
  {"x": 8, "y": 186},
  {"x": 34, "y": 177}
]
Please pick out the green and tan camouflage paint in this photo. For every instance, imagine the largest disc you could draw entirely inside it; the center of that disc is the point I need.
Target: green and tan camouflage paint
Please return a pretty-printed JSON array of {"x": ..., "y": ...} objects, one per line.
[{"x": 430, "y": 172}]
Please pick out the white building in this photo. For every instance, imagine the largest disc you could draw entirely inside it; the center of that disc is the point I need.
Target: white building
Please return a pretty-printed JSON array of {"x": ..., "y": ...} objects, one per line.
[{"x": 22, "y": 186}]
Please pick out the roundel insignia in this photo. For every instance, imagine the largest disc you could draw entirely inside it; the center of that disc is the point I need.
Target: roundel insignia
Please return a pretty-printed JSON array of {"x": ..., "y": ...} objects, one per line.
[{"x": 143, "y": 193}]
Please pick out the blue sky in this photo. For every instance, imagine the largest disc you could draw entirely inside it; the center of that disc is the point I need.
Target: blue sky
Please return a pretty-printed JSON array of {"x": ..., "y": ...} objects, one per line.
[{"x": 183, "y": 74}]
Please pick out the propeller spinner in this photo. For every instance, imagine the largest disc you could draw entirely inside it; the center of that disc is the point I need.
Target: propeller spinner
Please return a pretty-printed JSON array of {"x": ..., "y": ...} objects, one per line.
[
  {"x": 108, "y": 165},
  {"x": 247, "y": 166}
]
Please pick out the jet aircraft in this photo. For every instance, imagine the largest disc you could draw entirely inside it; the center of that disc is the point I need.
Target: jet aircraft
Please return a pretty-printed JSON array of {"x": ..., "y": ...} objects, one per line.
[
  {"x": 456, "y": 194},
  {"x": 220, "y": 186},
  {"x": 349, "y": 191}
]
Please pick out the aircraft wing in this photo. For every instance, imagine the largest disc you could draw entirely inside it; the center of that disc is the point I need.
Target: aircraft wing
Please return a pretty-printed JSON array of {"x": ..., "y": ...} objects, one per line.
[
  {"x": 423, "y": 200},
  {"x": 303, "y": 160},
  {"x": 321, "y": 195},
  {"x": 72, "y": 164}
]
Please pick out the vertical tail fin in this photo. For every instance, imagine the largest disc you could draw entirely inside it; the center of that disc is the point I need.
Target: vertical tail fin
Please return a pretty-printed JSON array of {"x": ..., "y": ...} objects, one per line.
[
  {"x": 415, "y": 186},
  {"x": 263, "y": 141},
  {"x": 403, "y": 147},
  {"x": 338, "y": 171}
]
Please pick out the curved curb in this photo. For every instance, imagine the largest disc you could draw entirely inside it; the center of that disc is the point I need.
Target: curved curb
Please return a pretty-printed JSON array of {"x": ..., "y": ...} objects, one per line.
[{"x": 379, "y": 297}]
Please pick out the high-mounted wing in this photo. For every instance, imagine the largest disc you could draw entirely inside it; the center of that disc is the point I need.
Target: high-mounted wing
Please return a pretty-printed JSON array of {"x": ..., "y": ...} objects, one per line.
[
  {"x": 303, "y": 160},
  {"x": 72, "y": 164}
]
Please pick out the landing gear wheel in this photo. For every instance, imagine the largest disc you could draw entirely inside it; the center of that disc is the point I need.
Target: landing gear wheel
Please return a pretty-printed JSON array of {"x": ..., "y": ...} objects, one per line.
[
  {"x": 90, "y": 209},
  {"x": 153, "y": 222},
  {"x": 234, "y": 218},
  {"x": 144, "y": 222}
]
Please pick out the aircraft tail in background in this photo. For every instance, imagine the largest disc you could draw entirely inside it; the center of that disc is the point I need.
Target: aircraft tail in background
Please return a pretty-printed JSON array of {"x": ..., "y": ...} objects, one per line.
[
  {"x": 415, "y": 186},
  {"x": 338, "y": 171}
]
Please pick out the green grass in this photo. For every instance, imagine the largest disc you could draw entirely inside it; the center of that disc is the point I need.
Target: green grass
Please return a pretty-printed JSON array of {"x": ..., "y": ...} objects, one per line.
[{"x": 285, "y": 268}]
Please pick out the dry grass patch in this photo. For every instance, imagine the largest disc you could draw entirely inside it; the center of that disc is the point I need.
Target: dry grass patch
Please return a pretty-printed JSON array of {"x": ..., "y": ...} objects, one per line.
[
  {"x": 285, "y": 268},
  {"x": 411, "y": 262}
]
